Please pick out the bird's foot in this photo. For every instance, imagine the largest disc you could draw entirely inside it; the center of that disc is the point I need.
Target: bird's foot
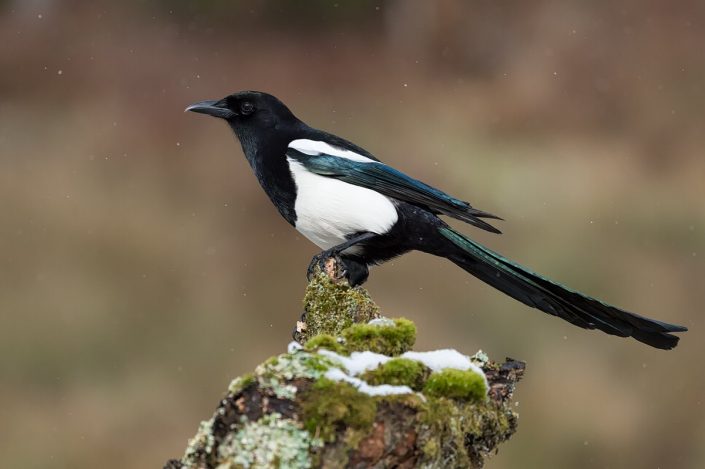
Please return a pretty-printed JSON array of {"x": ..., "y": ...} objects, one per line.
[
  {"x": 337, "y": 268},
  {"x": 327, "y": 262}
]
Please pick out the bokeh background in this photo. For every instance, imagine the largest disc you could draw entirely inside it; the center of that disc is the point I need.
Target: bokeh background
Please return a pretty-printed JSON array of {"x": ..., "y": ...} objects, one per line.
[{"x": 141, "y": 266}]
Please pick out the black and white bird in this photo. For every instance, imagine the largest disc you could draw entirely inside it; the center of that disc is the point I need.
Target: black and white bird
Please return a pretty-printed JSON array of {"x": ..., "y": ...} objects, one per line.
[{"x": 354, "y": 207}]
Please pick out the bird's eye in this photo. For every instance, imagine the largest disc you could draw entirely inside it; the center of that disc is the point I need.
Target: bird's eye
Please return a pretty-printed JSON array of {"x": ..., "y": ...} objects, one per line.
[{"x": 247, "y": 108}]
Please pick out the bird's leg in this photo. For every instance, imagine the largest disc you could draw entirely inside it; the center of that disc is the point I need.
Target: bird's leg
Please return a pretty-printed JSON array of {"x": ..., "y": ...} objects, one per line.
[
  {"x": 356, "y": 270},
  {"x": 319, "y": 259}
]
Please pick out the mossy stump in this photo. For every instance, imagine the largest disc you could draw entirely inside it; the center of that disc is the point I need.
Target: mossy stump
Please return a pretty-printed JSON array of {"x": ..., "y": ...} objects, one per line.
[{"x": 354, "y": 395}]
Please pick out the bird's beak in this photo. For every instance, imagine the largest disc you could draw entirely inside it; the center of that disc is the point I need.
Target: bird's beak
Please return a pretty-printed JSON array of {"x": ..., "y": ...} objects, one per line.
[{"x": 212, "y": 108}]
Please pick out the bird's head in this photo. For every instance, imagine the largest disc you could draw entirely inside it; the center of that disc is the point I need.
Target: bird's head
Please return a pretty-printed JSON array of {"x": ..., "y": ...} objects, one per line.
[{"x": 247, "y": 110}]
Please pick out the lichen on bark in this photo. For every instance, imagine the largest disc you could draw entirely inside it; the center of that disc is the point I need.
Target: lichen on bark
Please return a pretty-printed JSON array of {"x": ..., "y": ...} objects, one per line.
[{"x": 353, "y": 396}]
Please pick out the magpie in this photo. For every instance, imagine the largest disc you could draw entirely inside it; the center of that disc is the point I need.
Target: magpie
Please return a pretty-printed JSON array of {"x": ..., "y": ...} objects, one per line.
[{"x": 364, "y": 212}]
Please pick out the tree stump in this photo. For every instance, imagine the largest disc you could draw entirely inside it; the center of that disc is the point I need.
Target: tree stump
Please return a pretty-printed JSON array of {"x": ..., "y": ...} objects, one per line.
[{"x": 351, "y": 393}]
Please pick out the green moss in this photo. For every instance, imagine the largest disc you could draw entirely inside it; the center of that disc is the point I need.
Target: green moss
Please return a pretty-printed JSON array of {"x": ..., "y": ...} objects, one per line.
[
  {"x": 386, "y": 336},
  {"x": 399, "y": 371},
  {"x": 457, "y": 384},
  {"x": 459, "y": 432},
  {"x": 331, "y": 307},
  {"x": 240, "y": 383},
  {"x": 443, "y": 434},
  {"x": 381, "y": 338},
  {"x": 272, "y": 361},
  {"x": 325, "y": 341},
  {"x": 330, "y": 405},
  {"x": 431, "y": 448}
]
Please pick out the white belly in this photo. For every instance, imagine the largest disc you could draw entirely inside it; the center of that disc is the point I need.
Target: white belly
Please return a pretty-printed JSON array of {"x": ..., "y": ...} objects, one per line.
[{"x": 328, "y": 210}]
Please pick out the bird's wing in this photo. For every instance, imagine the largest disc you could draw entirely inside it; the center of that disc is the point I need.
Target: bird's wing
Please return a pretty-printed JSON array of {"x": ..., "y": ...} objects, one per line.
[{"x": 354, "y": 168}]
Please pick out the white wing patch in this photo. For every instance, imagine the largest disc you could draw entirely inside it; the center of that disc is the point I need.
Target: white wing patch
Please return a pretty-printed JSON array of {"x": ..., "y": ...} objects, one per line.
[
  {"x": 327, "y": 209},
  {"x": 315, "y": 147}
]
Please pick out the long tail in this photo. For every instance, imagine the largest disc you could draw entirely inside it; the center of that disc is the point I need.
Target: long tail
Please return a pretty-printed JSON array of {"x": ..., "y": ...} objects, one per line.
[{"x": 552, "y": 298}]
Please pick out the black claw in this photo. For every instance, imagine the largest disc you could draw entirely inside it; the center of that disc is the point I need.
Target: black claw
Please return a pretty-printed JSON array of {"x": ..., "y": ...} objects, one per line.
[{"x": 317, "y": 262}]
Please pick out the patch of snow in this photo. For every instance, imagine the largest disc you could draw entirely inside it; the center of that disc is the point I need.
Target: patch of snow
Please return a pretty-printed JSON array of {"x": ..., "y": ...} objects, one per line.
[
  {"x": 336, "y": 374},
  {"x": 294, "y": 346},
  {"x": 357, "y": 362},
  {"x": 438, "y": 360}
]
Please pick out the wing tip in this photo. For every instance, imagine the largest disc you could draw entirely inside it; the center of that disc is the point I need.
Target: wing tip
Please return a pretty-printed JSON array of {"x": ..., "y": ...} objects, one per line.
[
  {"x": 659, "y": 340},
  {"x": 483, "y": 225},
  {"x": 482, "y": 214}
]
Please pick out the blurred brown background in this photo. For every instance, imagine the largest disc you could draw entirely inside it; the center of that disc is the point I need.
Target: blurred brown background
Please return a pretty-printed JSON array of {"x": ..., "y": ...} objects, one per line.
[{"x": 141, "y": 266}]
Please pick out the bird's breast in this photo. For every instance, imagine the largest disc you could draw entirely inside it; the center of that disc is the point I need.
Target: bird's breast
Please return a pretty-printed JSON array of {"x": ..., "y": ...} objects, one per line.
[{"x": 329, "y": 210}]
